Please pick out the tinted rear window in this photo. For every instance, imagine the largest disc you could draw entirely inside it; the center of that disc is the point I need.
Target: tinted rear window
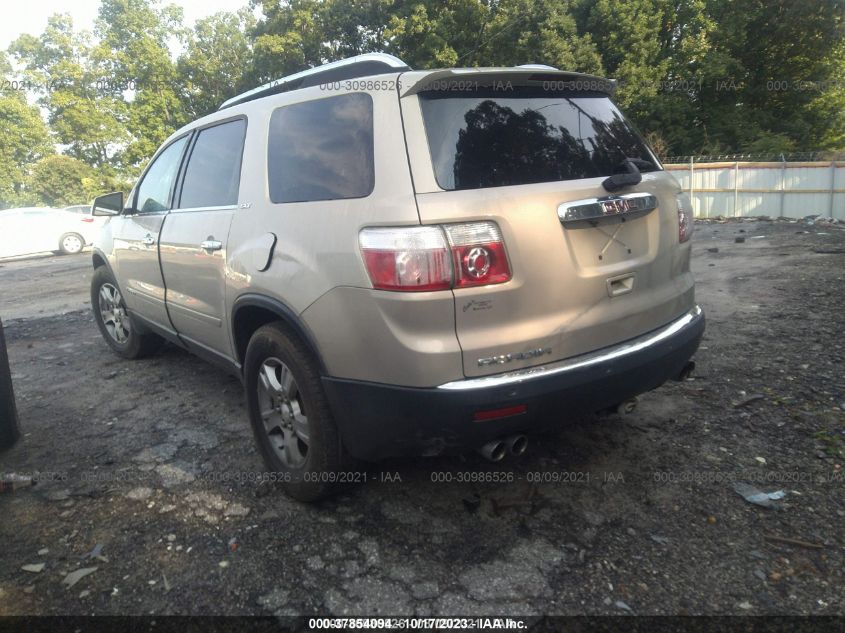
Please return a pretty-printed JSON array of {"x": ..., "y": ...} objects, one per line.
[
  {"x": 322, "y": 150},
  {"x": 492, "y": 138}
]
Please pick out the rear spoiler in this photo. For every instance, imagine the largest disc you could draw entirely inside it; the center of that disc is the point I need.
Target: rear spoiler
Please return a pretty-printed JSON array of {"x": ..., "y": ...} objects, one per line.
[{"x": 458, "y": 79}]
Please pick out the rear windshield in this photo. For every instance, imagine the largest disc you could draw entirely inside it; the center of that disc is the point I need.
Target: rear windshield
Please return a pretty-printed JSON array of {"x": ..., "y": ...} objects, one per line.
[{"x": 493, "y": 138}]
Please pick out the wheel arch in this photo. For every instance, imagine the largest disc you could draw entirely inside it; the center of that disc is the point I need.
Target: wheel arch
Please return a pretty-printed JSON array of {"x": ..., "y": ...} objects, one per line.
[
  {"x": 98, "y": 259},
  {"x": 251, "y": 311}
]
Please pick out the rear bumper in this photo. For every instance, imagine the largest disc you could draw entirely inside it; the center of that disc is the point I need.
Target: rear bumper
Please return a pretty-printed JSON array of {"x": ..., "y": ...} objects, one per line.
[{"x": 378, "y": 420}]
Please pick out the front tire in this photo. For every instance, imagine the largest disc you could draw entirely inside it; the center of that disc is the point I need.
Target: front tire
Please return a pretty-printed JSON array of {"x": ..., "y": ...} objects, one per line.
[
  {"x": 116, "y": 324},
  {"x": 71, "y": 243},
  {"x": 290, "y": 415}
]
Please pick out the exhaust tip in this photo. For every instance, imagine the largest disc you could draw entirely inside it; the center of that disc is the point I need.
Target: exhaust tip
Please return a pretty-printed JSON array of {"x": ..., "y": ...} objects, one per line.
[
  {"x": 517, "y": 445},
  {"x": 498, "y": 452},
  {"x": 627, "y": 407},
  {"x": 494, "y": 451}
]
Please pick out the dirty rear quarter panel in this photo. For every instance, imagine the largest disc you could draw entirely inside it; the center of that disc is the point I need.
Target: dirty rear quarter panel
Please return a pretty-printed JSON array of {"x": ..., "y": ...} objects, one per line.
[{"x": 405, "y": 338}]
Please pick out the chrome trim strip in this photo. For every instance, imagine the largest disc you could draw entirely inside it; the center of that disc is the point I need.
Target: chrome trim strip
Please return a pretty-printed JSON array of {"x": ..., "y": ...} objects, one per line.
[
  {"x": 607, "y": 207},
  {"x": 225, "y": 207},
  {"x": 579, "y": 362},
  {"x": 538, "y": 67}
]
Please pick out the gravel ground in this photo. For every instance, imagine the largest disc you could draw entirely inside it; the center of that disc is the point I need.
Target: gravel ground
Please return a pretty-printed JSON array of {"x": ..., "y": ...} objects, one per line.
[{"x": 134, "y": 459}]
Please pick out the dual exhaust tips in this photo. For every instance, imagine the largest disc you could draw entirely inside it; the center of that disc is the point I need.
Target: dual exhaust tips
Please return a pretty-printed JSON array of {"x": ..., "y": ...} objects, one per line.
[
  {"x": 497, "y": 450},
  {"x": 516, "y": 445}
]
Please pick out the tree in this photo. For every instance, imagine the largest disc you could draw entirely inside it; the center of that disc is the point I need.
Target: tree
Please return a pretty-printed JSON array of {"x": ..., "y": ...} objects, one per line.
[
  {"x": 717, "y": 76},
  {"x": 424, "y": 33},
  {"x": 68, "y": 77},
  {"x": 827, "y": 104},
  {"x": 24, "y": 139},
  {"x": 657, "y": 50},
  {"x": 288, "y": 39},
  {"x": 536, "y": 31},
  {"x": 628, "y": 36},
  {"x": 216, "y": 62},
  {"x": 439, "y": 33},
  {"x": 133, "y": 49},
  {"x": 60, "y": 181},
  {"x": 789, "y": 61},
  {"x": 699, "y": 76},
  {"x": 5, "y": 66}
]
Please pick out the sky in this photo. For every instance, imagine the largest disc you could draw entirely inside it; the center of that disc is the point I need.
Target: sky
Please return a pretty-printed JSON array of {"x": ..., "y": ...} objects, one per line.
[{"x": 30, "y": 16}]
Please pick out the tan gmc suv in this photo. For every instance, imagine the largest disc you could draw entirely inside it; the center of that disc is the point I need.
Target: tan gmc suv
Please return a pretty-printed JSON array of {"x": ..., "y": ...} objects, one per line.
[{"x": 406, "y": 262}]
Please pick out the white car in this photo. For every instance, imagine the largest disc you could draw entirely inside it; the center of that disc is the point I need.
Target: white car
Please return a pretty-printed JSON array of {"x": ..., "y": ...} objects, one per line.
[
  {"x": 84, "y": 222},
  {"x": 30, "y": 230}
]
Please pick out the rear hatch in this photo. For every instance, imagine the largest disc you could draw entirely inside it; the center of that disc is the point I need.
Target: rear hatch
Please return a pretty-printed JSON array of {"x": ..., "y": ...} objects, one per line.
[{"x": 519, "y": 148}]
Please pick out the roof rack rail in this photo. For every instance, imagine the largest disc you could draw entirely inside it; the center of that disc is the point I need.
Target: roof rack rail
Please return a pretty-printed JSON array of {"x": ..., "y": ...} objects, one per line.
[
  {"x": 538, "y": 66},
  {"x": 359, "y": 66}
]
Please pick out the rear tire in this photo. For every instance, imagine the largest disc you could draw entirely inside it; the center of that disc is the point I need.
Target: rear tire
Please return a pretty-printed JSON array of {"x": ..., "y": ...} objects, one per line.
[
  {"x": 71, "y": 243},
  {"x": 116, "y": 324},
  {"x": 290, "y": 415}
]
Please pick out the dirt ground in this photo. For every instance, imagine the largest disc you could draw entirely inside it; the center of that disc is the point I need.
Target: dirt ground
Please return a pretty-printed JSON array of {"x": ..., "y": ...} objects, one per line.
[{"x": 145, "y": 471}]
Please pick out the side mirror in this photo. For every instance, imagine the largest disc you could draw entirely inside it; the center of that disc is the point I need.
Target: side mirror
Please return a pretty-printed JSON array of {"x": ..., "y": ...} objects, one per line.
[{"x": 109, "y": 204}]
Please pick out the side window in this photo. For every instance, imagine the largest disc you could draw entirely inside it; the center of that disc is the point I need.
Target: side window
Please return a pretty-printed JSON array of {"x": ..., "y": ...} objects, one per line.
[
  {"x": 154, "y": 190},
  {"x": 322, "y": 150},
  {"x": 213, "y": 174}
]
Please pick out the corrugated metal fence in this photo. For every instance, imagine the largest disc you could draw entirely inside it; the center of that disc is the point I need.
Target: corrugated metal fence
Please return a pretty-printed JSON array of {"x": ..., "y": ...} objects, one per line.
[{"x": 776, "y": 189}]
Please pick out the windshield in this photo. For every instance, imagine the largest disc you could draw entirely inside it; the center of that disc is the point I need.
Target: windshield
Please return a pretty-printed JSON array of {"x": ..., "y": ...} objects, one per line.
[{"x": 491, "y": 138}]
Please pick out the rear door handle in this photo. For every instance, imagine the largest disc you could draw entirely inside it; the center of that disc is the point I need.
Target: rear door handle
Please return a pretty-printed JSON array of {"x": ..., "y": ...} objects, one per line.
[
  {"x": 211, "y": 245},
  {"x": 149, "y": 240}
]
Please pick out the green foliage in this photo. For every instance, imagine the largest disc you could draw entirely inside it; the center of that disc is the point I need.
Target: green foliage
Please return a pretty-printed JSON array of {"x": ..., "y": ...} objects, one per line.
[
  {"x": 59, "y": 181},
  {"x": 66, "y": 76},
  {"x": 506, "y": 33},
  {"x": 217, "y": 59},
  {"x": 5, "y": 66},
  {"x": 134, "y": 53},
  {"x": 424, "y": 33},
  {"x": 777, "y": 58},
  {"x": 697, "y": 76},
  {"x": 24, "y": 139},
  {"x": 628, "y": 36},
  {"x": 288, "y": 38}
]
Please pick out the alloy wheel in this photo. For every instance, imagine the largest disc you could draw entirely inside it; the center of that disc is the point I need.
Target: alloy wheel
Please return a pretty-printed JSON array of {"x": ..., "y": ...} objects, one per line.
[
  {"x": 113, "y": 313},
  {"x": 282, "y": 413}
]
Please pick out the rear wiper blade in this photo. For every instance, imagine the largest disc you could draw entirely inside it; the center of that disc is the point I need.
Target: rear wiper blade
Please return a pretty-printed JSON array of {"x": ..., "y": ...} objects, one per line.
[{"x": 630, "y": 177}]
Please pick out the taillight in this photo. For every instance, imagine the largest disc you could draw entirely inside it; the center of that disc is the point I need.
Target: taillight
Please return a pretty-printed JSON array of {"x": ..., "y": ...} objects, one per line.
[
  {"x": 419, "y": 258},
  {"x": 88, "y": 220},
  {"x": 478, "y": 253},
  {"x": 685, "y": 224},
  {"x": 413, "y": 258}
]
